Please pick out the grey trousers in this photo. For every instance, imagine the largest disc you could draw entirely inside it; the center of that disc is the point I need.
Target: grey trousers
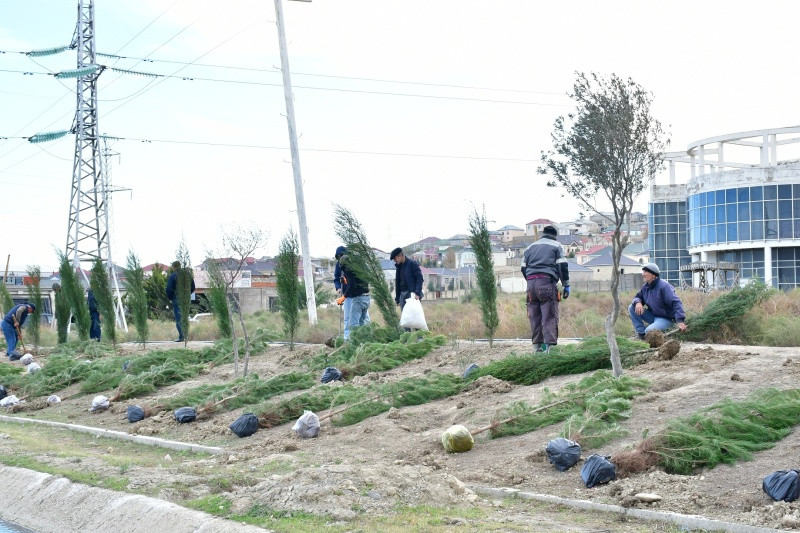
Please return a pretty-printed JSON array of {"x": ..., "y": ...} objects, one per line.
[{"x": 543, "y": 310}]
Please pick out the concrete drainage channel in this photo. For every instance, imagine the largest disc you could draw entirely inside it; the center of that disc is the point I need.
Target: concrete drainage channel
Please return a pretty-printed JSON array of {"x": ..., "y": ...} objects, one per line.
[
  {"x": 690, "y": 522},
  {"x": 52, "y": 504}
]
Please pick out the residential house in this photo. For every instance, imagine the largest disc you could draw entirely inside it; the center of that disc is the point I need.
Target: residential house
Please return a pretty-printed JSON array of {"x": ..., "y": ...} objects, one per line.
[
  {"x": 507, "y": 233},
  {"x": 602, "y": 266},
  {"x": 584, "y": 256},
  {"x": 534, "y": 227}
]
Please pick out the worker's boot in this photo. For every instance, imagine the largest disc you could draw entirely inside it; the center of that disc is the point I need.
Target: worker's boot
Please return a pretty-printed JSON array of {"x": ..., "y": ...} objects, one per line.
[
  {"x": 546, "y": 347},
  {"x": 14, "y": 355}
]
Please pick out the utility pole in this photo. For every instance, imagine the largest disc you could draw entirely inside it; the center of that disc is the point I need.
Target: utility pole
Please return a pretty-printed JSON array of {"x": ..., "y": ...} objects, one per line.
[{"x": 308, "y": 273}]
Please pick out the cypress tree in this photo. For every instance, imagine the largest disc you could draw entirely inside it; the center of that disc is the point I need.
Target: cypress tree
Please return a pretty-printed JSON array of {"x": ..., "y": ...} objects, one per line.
[
  {"x": 218, "y": 298},
  {"x": 6, "y": 303},
  {"x": 73, "y": 291},
  {"x": 287, "y": 264},
  {"x": 62, "y": 312},
  {"x": 137, "y": 296},
  {"x": 487, "y": 287},
  {"x": 364, "y": 263},
  {"x": 156, "y": 289},
  {"x": 35, "y": 297},
  {"x": 101, "y": 288},
  {"x": 184, "y": 289}
]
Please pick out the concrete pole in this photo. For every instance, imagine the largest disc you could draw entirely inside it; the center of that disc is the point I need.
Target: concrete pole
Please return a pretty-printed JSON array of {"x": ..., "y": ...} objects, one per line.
[{"x": 308, "y": 273}]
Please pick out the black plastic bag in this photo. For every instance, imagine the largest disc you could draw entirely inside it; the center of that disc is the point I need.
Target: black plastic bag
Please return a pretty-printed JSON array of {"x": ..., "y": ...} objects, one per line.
[
  {"x": 135, "y": 413},
  {"x": 245, "y": 425},
  {"x": 3, "y": 392},
  {"x": 782, "y": 485},
  {"x": 470, "y": 369},
  {"x": 185, "y": 414},
  {"x": 597, "y": 470},
  {"x": 331, "y": 374},
  {"x": 563, "y": 453}
]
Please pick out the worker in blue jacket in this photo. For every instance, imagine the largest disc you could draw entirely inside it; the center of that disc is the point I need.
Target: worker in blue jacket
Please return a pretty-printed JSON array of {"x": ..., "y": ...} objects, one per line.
[
  {"x": 407, "y": 278},
  {"x": 94, "y": 315},
  {"x": 12, "y": 327},
  {"x": 656, "y": 304}
]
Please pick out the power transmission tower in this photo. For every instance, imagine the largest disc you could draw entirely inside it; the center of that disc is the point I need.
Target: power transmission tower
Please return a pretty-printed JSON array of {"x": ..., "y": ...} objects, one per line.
[{"x": 87, "y": 229}]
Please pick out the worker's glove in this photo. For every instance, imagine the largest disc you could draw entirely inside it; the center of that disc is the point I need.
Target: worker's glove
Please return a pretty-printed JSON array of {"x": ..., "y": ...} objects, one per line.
[{"x": 566, "y": 292}]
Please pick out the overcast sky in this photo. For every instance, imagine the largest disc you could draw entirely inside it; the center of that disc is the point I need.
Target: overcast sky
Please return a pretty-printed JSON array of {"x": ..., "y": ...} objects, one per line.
[{"x": 409, "y": 113}]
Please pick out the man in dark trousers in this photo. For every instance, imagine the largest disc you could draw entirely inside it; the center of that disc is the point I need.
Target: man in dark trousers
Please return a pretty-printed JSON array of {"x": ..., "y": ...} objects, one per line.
[
  {"x": 172, "y": 294},
  {"x": 12, "y": 326},
  {"x": 94, "y": 314},
  {"x": 407, "y": 278},
  {"x": 339, "y": 283},
  {"x": 656, "y": 303},
  {"x": 543, "y": 265}
]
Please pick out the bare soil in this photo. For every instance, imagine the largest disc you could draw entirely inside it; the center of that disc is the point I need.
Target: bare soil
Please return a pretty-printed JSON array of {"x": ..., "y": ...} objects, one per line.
[{"x": 397, "y": 458}]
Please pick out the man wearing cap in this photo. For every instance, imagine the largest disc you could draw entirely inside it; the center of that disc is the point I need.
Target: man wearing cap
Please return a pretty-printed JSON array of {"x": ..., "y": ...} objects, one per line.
[
  {"x": 656, "y": 304},
  {"x": 11, "y": 324},
  {"x": 407, "y": 278},
  {"x": 543, "y": 265}
]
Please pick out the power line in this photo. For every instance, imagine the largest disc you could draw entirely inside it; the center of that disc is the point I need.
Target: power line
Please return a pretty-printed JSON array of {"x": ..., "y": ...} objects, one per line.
[{"x": 332, "y": 150}]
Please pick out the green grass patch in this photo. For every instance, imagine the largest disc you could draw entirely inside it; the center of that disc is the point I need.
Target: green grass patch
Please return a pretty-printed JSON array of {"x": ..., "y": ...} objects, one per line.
[{"x": 214, "y": 504}]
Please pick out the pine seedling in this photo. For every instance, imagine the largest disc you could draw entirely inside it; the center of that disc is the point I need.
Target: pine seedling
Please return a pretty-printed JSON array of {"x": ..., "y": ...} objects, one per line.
[
  {"x": 137, "y": 297},
  {"x": 184, "y": 289},
  {"x": 365, "y": 264},
  {"x": 487, "y": 286},
  {"x": 35, "y": 297},
  {"x": 286, "y": 267},
  {"x": 73, "y": 290},
  {"x": 101, "y": 288},
  {"x": 218, "y": 299}
]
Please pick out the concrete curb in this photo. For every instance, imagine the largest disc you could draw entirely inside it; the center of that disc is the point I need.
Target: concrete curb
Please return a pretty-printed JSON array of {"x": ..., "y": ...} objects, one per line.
[
  {"x": 689, "y": 521},
  {"x": 119, "y": 435},
  {"x": 50, "y": 504}
]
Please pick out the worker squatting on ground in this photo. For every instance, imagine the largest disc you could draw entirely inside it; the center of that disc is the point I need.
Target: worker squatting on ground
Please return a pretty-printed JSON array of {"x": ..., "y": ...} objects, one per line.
[
  {"x": 356, "y": 293},
  {"x": 656, "y": 303},
  {"x": 543, "y": 265},
  {"x": 12, "y": 327}
]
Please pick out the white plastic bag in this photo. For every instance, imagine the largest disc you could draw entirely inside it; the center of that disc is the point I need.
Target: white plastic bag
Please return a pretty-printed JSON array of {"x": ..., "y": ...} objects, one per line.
[
  {"x": 307, "y": 426},
  {"x": 412, "y": 315}
]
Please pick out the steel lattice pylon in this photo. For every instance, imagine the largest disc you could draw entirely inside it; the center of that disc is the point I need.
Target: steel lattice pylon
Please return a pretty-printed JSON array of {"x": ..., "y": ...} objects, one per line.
[{"x": 88, "y": 235}]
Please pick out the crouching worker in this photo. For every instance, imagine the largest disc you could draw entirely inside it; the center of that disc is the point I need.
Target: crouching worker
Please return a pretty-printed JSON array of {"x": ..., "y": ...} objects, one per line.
[
  {"x": 543, "y": 264},
  {"x": 12, "y": 324},
  {"x": 655, "y": 304}
]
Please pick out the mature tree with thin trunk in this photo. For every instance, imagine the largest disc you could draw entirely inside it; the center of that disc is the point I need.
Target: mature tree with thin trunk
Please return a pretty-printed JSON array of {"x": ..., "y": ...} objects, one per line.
[
  {"x": 238, "y": 245},
  {"x": 35, "y": 297},
  {"x": 101, "y": 288},
  {"x": 73, "y": 290},
  {"x": 365, "y": 264},
  {"x": 184, "y": 289},
  {"x": 610, "y": 146},
  {"x": 487, "y": 286},
  {"x": 137, "y": 297},
  {"x": 286, "y": 267}
]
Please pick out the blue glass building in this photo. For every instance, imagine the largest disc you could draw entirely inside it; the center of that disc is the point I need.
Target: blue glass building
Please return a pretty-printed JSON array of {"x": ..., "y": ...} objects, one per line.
[{"x": 729, "y": 211}]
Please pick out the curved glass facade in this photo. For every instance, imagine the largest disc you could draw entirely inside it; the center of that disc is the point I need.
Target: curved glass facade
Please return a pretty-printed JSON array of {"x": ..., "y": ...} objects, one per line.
[{"x": 744, "y": 214}]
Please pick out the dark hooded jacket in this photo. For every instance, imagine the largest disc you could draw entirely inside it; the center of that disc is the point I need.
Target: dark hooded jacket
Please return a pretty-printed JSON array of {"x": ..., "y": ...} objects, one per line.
[{"x": 410, "y": 272}]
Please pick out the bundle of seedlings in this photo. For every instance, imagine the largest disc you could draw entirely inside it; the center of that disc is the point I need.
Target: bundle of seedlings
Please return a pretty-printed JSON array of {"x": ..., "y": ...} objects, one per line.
[
  {"x": 249, "y": 390},
  {"x": 726, "y": 432},
  {"x": 720, "y": 317},
  {"x": 59, "y": 372},
  {"x": 591, "y": 354},
  {"x": 403, "y": 393},
  {"x": 271, "y": 414},
  {"x": 592, "y": 408},
  {"x": 167, "y": 373},
  {"x": 371, "y": 350}
]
